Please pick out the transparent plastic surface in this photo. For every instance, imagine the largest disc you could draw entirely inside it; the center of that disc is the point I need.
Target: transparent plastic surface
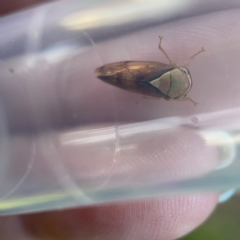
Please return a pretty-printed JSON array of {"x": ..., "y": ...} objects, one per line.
[{"x": 68, "y": 139}]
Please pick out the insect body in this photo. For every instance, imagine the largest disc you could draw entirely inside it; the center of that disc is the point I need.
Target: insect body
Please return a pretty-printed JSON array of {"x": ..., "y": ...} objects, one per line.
[{"x": 153, "y": 79}]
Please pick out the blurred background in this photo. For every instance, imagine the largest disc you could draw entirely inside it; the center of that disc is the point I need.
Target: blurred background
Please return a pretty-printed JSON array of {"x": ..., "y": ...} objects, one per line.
[{"x": 222, "y": 224}]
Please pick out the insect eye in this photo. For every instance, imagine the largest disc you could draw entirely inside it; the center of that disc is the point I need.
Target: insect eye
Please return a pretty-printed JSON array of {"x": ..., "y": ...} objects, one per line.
[{"x": 184, "y": 70}]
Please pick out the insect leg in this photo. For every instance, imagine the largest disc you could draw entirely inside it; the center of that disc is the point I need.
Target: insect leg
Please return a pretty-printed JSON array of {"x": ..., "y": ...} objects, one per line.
[
  {"x": 162, "y": 50},
  {"x": 192, "y": 57},
  {"x": 188, "y": 99}
]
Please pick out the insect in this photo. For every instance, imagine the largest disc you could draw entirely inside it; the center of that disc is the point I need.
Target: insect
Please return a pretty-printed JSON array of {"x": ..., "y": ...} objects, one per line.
[{"x": 153, "y": 79}]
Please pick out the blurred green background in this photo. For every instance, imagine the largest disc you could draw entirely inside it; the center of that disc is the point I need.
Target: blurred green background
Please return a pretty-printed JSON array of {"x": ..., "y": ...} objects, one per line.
[{"x": 223, "y": 224}]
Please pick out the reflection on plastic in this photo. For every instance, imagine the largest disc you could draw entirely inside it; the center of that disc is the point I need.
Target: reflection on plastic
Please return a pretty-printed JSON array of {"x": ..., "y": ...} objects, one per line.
[
  {"x": 104, "y": 15},
  {"x": 92, "y": 165}
]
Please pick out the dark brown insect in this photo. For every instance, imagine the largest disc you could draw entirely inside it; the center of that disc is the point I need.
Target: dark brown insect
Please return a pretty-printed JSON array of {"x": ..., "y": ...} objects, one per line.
[{"x": 153, "y": 79}]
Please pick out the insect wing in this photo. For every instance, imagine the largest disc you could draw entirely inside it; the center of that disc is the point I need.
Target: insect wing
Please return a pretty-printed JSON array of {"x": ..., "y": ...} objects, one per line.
[{"x": 134, "y": 76}]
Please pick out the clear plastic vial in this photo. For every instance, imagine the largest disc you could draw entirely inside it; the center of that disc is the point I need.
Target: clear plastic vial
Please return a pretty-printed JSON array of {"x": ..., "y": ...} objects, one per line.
[{"x": 68, "y": 139}]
